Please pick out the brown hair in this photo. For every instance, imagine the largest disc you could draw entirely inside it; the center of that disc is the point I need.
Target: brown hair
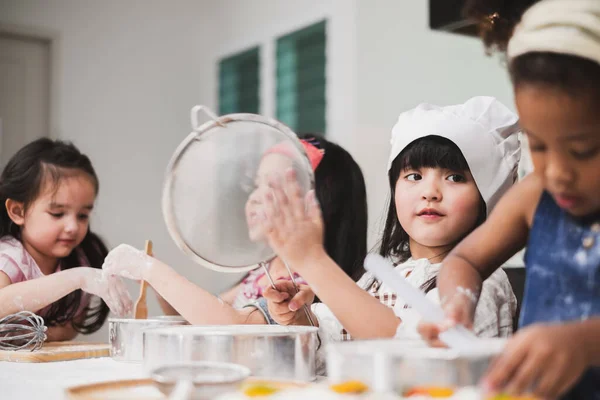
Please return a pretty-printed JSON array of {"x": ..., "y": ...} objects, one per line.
[
  {"x": 22, "y": 180},
  {"x": 496, "y": 19}
]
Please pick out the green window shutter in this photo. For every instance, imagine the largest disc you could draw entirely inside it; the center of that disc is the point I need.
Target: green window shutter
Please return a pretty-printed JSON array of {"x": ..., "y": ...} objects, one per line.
[
  {"x": 239, "y": 88},
  {"x": 239, "y": 83},
  {"x": 301, "y": 82}
]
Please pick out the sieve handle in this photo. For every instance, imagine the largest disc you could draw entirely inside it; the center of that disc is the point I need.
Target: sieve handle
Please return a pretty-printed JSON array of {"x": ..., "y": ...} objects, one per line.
[
  {"x": 208, "y": 112},
  {"x": 304, "y": 307},
  {"x": 271, "y": 281}
]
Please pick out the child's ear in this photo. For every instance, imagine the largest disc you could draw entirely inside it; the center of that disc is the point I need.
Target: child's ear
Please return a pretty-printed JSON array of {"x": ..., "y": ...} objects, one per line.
[{"x": 16, "y": 211}]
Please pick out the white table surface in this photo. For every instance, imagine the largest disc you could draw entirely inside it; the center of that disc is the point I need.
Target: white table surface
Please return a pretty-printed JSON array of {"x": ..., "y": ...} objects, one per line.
[{"x": 48, "y": 381}]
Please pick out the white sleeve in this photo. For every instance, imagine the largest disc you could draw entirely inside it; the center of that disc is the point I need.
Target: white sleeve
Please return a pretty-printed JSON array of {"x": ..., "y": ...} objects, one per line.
[
  {"x": 330, "y": 330},
  {"x": 496, "y": 307},
  {"x": 365, "y": 281},
  {"x": 410, "y": 318}
]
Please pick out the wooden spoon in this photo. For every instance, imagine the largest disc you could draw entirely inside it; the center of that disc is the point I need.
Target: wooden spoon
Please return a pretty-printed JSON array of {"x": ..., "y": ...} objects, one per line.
[{"x": 141, "y": 308}]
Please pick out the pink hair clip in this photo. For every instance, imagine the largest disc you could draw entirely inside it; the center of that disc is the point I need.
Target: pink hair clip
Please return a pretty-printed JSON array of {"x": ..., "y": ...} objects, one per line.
[{"x": 315, "y": 155}]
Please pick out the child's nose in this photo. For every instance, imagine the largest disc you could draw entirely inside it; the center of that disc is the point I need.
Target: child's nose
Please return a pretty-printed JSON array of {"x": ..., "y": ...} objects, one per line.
[
  {"x": 431, "y": 192},
  {"x": 558, "y": 172},
  {"x": 71, "y": 225}
]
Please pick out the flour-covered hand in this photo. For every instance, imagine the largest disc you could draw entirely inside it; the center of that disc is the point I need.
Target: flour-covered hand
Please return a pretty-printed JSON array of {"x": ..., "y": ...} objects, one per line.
[
  {"x": 128, "y": 262},
  {"x": 108, "y": 287}
]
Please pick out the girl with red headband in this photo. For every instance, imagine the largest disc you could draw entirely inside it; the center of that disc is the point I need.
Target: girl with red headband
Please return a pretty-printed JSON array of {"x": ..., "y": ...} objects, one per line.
[{"x": 340, "y": 189}]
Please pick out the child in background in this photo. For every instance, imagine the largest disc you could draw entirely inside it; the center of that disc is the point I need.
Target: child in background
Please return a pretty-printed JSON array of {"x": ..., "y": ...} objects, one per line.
[
  {"x": 49, "y": 259},
  {"x": 340, "y": 187},
  {"x": 554, "y": 63}
]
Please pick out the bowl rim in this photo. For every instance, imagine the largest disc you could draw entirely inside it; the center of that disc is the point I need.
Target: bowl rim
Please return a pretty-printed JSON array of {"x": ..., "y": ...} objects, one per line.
[
  {"x": 242, "y": 373},
  {"x": 230, "y": 330},
  {"x": 162, "y": 319},
  {"x": 414, "y": 349}
]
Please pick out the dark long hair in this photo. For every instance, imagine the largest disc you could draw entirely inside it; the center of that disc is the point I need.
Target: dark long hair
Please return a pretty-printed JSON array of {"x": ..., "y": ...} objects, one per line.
[
  {"x": 22, "y": 180},
  {"x": 341, "y": 191},
  {"x": 573, "y": 75},
  {"x": 427, "y": 152}
]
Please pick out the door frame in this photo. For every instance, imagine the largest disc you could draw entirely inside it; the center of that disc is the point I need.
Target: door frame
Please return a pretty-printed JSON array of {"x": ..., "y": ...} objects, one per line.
[{"x": 53, "y": 40}]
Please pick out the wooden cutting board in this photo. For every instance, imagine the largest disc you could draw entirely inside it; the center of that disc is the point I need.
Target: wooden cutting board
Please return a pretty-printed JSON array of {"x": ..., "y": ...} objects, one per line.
[
  {"x": 58, "y": 351},
  {"x": 144, "y": 389},
  {"x": 135, "y": 389}
]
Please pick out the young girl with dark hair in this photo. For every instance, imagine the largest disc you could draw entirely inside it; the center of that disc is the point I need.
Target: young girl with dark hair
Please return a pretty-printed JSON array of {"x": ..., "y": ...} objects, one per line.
[
  {"x": 49, "y": 259},
  {"x": 448, "y": 167}
]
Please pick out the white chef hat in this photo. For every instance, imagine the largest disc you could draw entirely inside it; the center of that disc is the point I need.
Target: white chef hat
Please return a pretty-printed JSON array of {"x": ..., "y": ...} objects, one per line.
[
  {"x": 559, "y": 26},
  {"x": 484, "y": 130}
]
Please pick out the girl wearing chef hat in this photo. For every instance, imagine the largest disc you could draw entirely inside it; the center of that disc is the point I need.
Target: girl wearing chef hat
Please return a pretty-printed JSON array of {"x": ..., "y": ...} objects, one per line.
[
  {"x": 447, "y": 169},
  {"x": 554, "y": 62}
]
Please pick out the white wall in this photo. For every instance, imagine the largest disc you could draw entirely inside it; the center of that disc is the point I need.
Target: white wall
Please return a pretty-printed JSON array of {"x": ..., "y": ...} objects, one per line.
[
  {"x": 125, "y": 74},
  {"x": 402, "y": 63}
]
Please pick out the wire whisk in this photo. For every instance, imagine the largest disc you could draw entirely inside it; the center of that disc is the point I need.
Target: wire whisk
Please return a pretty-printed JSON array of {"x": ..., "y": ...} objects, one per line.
[{"x": 22, "y": 331}]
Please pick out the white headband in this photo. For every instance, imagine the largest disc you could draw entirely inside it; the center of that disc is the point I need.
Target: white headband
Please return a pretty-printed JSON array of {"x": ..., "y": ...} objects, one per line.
[
  {"x": 559, "y": 26},
  {"x": 482, "y": 128}
]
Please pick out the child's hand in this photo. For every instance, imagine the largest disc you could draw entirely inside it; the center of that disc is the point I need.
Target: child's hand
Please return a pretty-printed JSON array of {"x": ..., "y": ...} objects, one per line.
[
  {"x": 128, "y": 262},
  {"x": 285, "y": 305},
  {"x": 545, "y": 360},
  {"x": 292, "y": 222},
  {"x": 459, "y": 310},
  {"x": 110, "y": 288}
]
